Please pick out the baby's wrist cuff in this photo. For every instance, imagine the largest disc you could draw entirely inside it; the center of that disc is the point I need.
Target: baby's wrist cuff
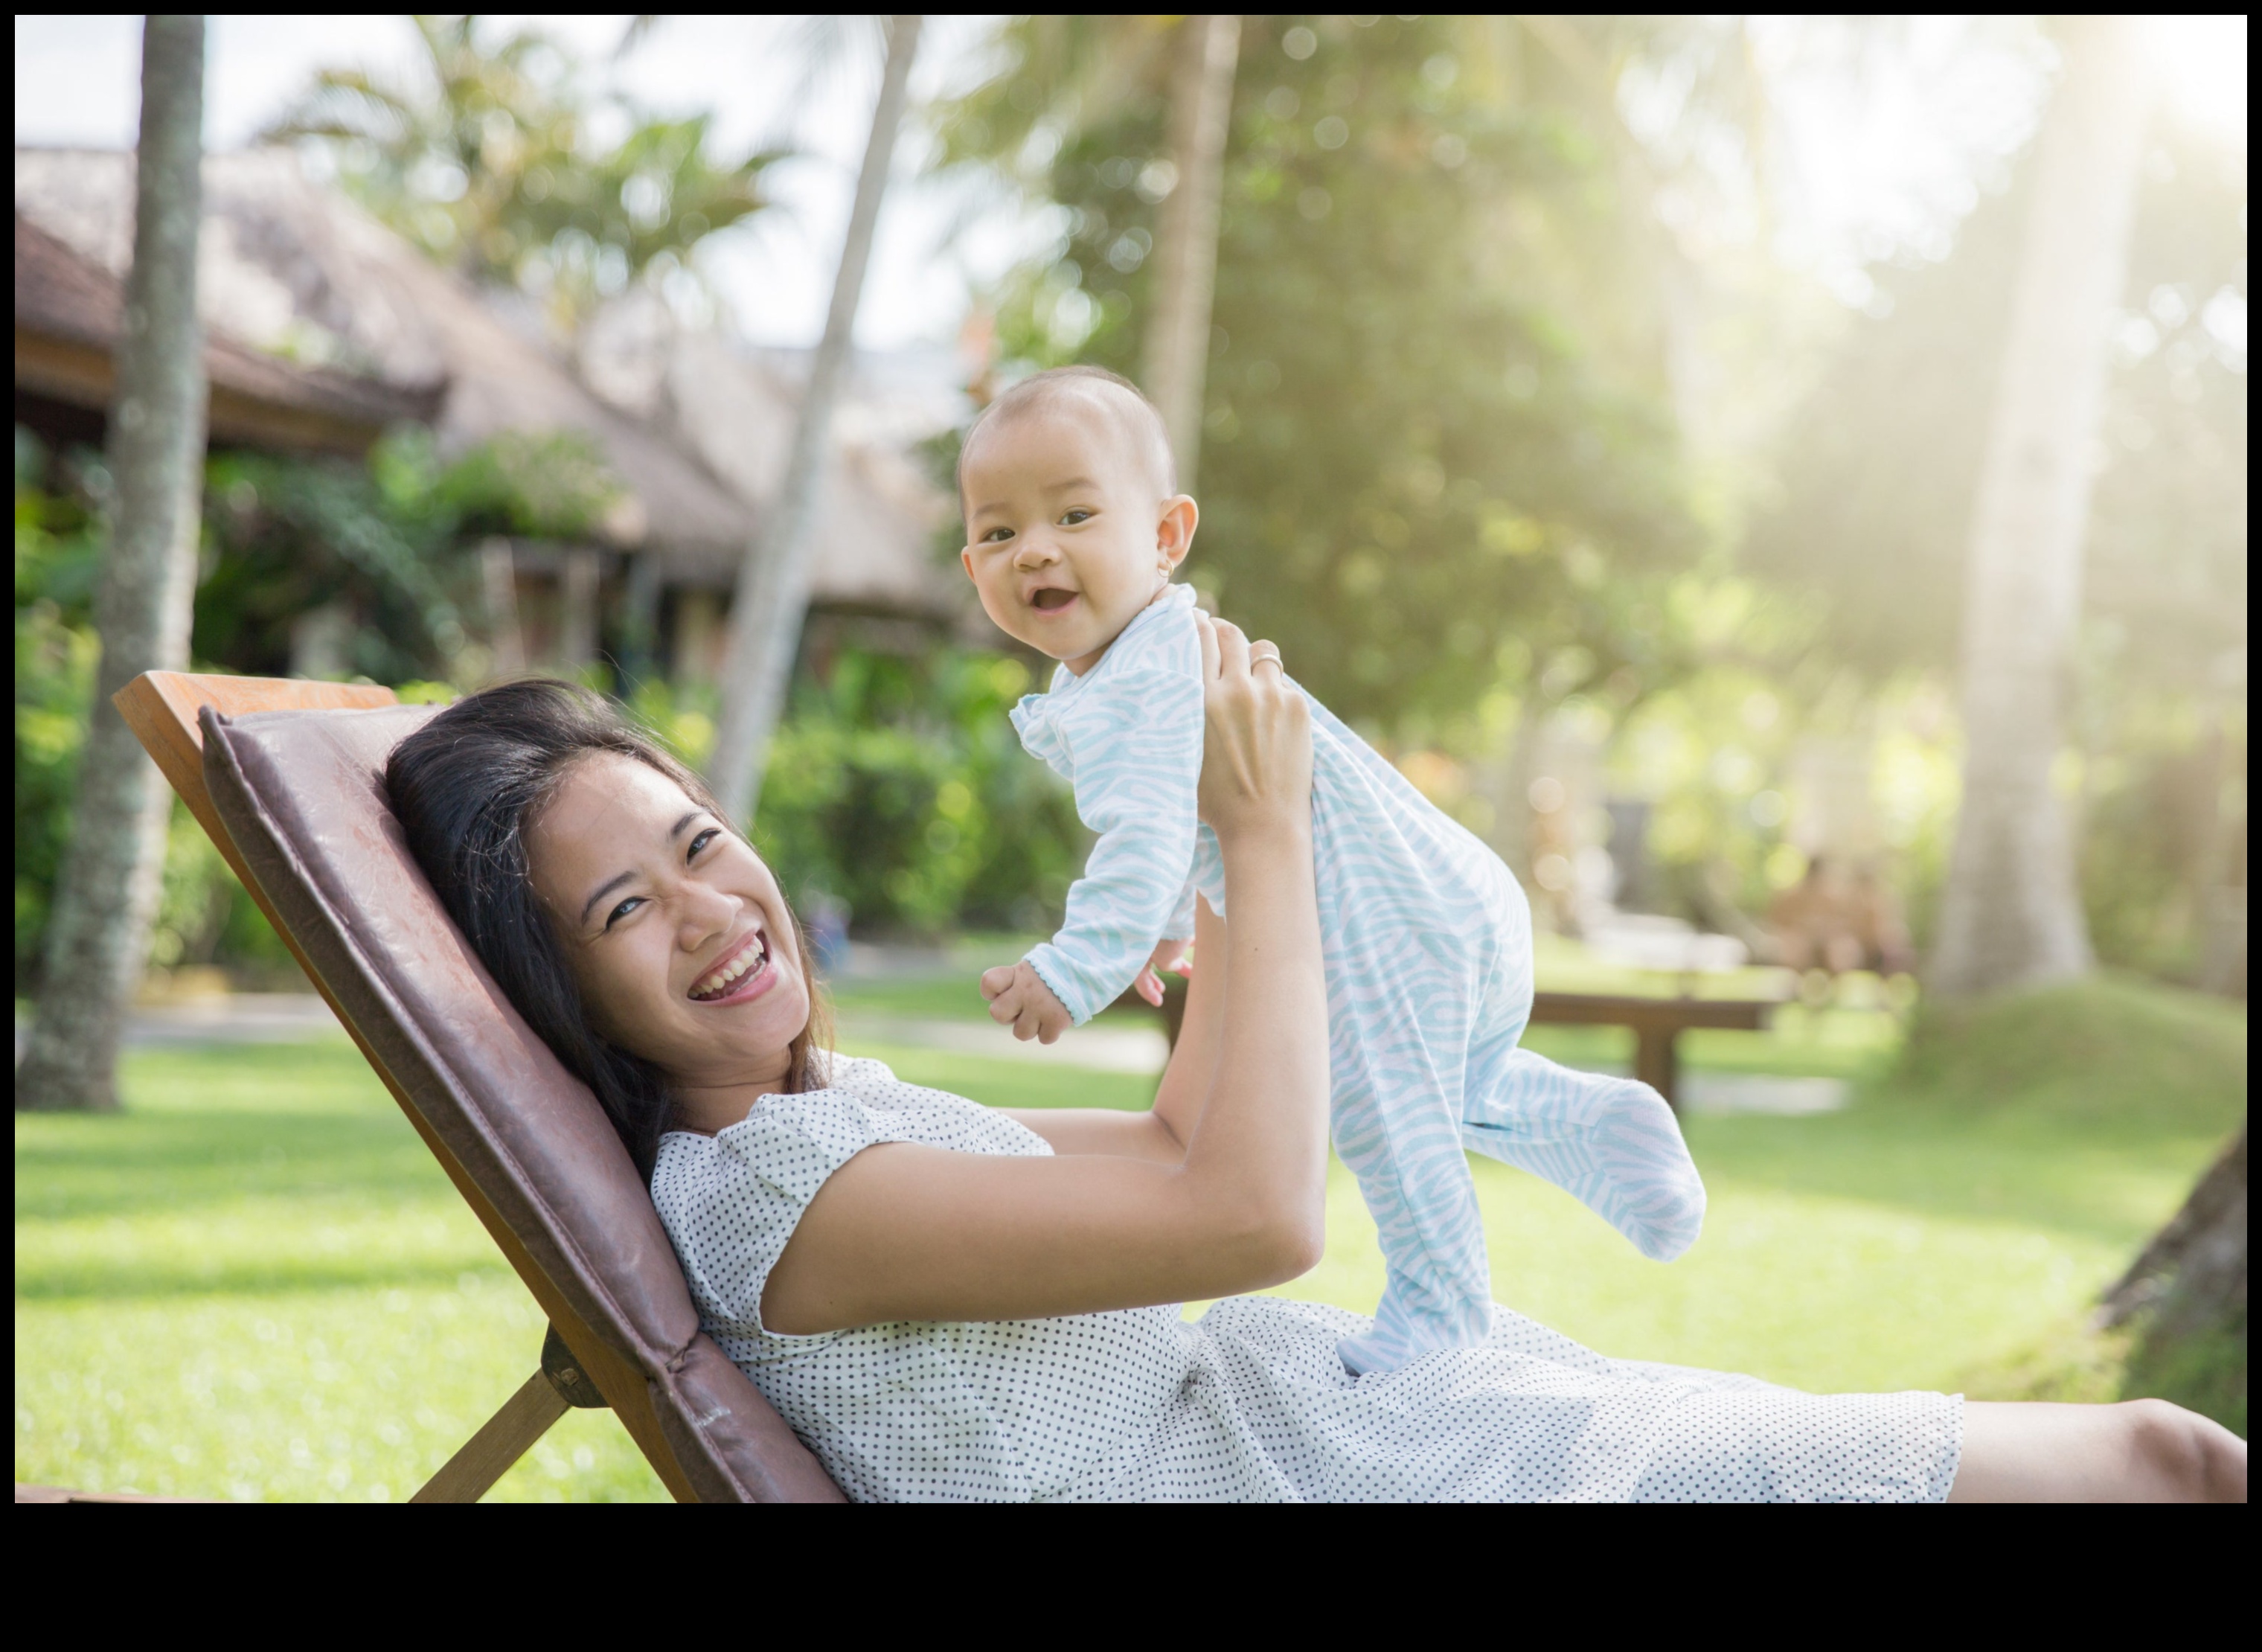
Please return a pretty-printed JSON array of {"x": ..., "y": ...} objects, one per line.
[{"x": 1053, "y": 971}]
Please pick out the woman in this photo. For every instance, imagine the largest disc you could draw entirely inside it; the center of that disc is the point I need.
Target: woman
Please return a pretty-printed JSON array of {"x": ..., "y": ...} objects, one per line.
[{"x": 948, "y": 1301}]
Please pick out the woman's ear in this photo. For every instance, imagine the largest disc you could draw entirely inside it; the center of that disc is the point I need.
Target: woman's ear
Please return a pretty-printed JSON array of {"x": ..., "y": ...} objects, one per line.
[{"x": 1174, "y": 533}]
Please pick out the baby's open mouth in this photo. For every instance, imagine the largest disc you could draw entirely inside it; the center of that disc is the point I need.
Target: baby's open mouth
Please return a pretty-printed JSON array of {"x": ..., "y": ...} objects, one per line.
[
  {"x": 1048, "y": 599},
  {"x": 749, "y": 957}
]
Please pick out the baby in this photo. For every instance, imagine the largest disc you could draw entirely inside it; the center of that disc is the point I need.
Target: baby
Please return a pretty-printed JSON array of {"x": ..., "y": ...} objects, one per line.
[{"x": 1074, "y": 525}]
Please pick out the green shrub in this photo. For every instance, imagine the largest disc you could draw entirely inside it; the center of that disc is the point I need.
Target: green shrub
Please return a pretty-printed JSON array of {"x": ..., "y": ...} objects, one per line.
[
  {"x": 282, "y": 537},
  {"x": 58, "y": 546}
]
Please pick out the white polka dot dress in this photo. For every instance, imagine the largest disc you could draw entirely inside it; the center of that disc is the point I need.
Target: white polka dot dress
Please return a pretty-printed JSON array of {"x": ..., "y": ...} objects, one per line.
[{"x": 1251, "y": 1403}]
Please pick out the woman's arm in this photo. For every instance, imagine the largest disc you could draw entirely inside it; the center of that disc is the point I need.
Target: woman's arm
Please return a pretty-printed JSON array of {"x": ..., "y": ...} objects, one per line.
[
  {"x": 1162, "y": 1133},
  {"x": 905, "y": 1231}
]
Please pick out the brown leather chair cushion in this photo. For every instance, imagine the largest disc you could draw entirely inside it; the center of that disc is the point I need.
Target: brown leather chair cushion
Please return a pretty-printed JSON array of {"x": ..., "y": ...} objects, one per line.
[{"x": 302, "y": 794}]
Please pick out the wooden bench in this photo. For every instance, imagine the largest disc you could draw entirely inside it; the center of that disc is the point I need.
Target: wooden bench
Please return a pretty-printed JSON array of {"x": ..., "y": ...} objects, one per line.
[{"x": 1657, "y": 1023}]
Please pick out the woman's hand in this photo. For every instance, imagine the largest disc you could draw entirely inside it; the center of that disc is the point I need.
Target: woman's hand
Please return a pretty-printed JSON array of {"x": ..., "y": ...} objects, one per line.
[{"x": 1256, "y": 744}]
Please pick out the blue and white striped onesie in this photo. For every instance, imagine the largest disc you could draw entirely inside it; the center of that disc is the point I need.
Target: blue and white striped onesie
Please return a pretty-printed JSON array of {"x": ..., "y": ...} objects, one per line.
[{"x": 1427, "y": 941}]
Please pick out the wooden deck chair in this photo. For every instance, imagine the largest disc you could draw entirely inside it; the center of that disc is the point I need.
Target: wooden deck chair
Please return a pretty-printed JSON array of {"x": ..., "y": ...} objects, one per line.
[{"x": 287, "y": 778}]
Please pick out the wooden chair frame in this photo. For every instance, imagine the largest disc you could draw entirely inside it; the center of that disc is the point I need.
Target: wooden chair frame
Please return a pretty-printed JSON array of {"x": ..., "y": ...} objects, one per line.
[{"x": 578, "y": 1367}]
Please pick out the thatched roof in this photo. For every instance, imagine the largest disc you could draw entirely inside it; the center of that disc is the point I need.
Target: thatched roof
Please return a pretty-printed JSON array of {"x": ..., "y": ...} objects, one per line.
[
  {"x": 293, "y": 267},
  {"x": 68, "y": 313}
]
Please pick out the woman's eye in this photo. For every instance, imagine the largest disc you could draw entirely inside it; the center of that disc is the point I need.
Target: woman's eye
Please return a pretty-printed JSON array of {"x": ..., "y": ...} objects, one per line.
[
  {"x": 623, "y": 910},
  {"x": 701, "y": 842}
]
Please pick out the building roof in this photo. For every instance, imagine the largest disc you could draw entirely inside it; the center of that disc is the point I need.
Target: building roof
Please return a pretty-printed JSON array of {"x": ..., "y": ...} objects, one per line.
[
  {"x": 290, "y": 266},
  {"x": 68, "y": 311}
]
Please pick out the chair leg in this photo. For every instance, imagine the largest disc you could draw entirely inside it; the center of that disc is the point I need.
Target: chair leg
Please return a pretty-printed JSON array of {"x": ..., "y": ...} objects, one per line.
[{"x": 502, "y": 1440}]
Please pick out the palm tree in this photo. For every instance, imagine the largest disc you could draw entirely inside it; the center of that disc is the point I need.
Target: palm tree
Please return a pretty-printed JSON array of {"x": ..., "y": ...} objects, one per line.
[
  {"x": 105, "y": 895},
  {"x": 772, "y": 592},
  {"x": 2011, "y": 915},
  {"x": 486, "y": 166}
]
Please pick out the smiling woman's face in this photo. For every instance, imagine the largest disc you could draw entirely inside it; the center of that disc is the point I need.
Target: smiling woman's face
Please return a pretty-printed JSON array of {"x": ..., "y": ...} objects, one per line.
[{"x": 677, "y": 934}]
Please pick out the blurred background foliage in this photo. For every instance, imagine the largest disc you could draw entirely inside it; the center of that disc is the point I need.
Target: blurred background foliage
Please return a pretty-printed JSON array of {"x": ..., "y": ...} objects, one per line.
[
  {"x": 1412, "y": 466},
  {"x": 1532, "y": 467},
  {"x": 391, "y": 539},
  {"x": 1539, "y": 476},
  {"x": 897, "y": 788},
  {"x": 501, "y": 162}
]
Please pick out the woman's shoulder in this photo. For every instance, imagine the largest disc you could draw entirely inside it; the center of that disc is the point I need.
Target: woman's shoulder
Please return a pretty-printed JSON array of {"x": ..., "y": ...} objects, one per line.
[
  {"x": 787, "y": 1145},
  {"x": 731, "y": 1200},
  {"x": 937, "y": 1117}
]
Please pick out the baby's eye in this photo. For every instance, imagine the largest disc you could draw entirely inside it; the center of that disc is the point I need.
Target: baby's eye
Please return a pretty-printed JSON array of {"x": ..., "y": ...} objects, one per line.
[
  {"x": 997, "y": 536},
  {"x": 701, "y": 842},
  {"x": 1070, "y": 518}
]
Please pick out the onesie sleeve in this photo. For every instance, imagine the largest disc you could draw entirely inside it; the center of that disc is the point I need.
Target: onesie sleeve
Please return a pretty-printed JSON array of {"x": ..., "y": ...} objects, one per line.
[{"x": 1137, "y": 746}]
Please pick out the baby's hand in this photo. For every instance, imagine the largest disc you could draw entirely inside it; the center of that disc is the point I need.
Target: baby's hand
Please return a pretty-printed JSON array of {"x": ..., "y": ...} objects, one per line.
[
  {"x": 1020, "y": 999},
  {"x": 1168, "y": 955}
]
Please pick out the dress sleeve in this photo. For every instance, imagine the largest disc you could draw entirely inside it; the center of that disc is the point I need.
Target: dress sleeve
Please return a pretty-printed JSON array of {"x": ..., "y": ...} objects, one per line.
[
  {"x": 1137, "y": 744},
  {"x": 735, "y": 1201}
]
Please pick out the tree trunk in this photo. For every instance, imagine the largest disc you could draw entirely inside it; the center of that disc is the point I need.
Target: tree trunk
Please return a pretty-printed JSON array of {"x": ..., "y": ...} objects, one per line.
[
  {"x": 105, "y": 894},
  {"x": 772, "y": 592},
  {"x": 2011, "y": 915},
  {"x": 2186, "y": 1297},
  {"x": 1186, "y": 238},
  {"x": 2194, "y": 1272}
]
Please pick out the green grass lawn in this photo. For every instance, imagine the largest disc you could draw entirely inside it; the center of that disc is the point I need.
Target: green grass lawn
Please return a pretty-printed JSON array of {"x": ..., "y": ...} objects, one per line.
[{"x": 255, "y": 1283}]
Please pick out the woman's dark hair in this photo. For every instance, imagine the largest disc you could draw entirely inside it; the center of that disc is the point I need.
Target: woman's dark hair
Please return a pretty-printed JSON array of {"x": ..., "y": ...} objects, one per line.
[{"x": 467, "y": 786}]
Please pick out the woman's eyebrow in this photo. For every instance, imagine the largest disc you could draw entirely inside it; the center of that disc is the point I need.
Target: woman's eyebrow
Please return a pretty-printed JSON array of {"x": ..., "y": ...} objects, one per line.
[
  {"x": 610, "y": 884},
  {"x": 607, "y": 888}
]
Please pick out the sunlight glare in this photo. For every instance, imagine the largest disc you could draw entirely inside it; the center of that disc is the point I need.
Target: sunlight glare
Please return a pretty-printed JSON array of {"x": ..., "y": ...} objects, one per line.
[{"x": 2202, "y": 64}]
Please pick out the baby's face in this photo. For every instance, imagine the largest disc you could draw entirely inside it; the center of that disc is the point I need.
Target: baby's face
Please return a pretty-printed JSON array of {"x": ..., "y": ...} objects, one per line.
[{"x": 1067, "y": 533}]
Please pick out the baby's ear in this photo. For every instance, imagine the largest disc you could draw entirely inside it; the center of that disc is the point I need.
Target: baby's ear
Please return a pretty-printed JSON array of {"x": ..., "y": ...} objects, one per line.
[
  {"x": 966, "y": 559},
  {"x": 1174, "y": 533}
]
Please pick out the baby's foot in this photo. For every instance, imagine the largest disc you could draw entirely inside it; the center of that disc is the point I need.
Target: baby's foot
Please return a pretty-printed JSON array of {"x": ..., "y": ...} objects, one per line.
[
  {"x": 1611, "y": 1142},
  {"x": 1405, "y": 1331}
]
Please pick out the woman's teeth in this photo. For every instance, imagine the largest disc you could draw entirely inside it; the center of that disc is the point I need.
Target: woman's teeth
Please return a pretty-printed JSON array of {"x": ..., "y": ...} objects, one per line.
[{"x": 716, "y": 983}]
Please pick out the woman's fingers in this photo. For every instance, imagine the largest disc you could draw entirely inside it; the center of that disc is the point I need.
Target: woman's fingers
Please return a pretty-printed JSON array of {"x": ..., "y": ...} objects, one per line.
[
  {"x": 1232, "y": 650},
  {"x": 1257, "y": 753},
  {"x": 1226, "y": 647}
]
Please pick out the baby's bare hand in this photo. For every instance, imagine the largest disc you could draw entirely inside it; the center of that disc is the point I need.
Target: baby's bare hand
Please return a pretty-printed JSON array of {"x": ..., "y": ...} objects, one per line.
[
  {"x": 1020, "y": 999},
  {"x": 1168, "y": 958}
]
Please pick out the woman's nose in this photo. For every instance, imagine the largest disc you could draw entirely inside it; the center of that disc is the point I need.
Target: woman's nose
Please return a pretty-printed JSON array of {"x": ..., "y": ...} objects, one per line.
[{"x": 704, "y": 911}]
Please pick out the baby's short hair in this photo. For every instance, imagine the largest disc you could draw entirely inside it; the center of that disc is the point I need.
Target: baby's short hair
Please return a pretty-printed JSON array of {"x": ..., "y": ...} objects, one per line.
[{"x": 1040, "y": 389}]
